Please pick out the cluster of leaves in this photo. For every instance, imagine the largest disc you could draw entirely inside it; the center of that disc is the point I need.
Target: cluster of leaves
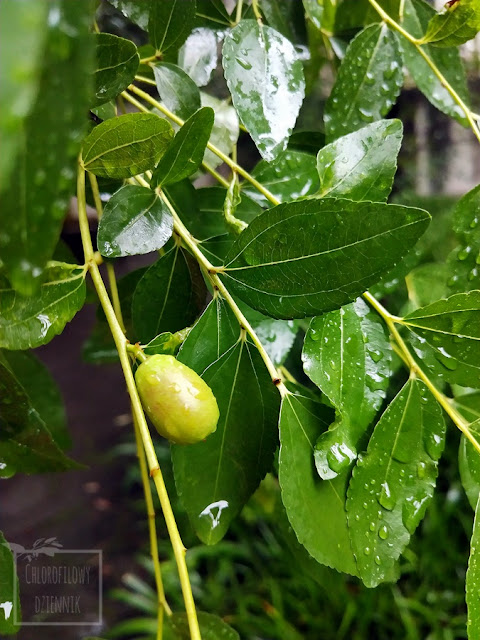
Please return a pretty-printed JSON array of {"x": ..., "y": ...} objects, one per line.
[{"x": 236, "y": 277}]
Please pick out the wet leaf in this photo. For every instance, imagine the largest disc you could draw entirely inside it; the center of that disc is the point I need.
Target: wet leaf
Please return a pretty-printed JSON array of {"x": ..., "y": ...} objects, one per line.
[
  {"x": 117, "y": 63},
  {"x": 226, "y": 128},
  {"x": 321, "y": 13},
  {"x": 135, "y": 221},
  {"x": 169, "y": 296},
  {"x": 455, "y": 25},
  {"x": 9, "y": 599},
  {"x": 347, "y": 355},
  {"x": 216, "y": 477},
  {"x": 135, "y": 10},
  {"x": 362, "y": 164},
  {"x": 29, "y": 322},
  {"x": 287, "y": 17},
  {"x": 468, "y": 456},
  {"x": 170, "y": 22},
  {"x": 394, "y": 481},
  {"x": 292, "y": 262},
  {"x": 427, "y": 283},
  {"x": 185, "y": 154},
  {"x": 165, "y": 343},
  {"x": 126, "y": 146},
  {"x": 464, "y": 260},
  {"x": 265, "y": 78},
  {"x": 473, "y": 581},
  {"x": 212, "y": 13},
  {"x": 315, "y": 507},
  {"x": 198, "y": 57},
  {"x": 211, "y": 627},
  {"x": 177, "y": 90},
  {"x": 368, "y": 82}
]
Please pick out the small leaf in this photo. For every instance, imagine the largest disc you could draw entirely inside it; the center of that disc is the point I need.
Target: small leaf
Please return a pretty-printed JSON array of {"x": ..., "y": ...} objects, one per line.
[
  {"x": 226, "y": 128},
  {"x": 211, "y": 627},
  {"x": 368, "y": 82},
  {"x": 315, "y": 507},
  {"x": 455, "y": 25},
  {"x": 215, "y": 478},
  {"x": 198, "y": 56},
  {"x": 9, "y": 595},
  {"x": 416, "y": 17},
  {"x": 29, "y": 322},
  {"x": 135, "y": 221},
  {"x": 468, "y": 456},
  {"x": 126, "y": 146},
  {"x": 464, "y": 260},
  {"x": 117, "y": 63},
  {"x": 185, "y": 154},
  {"x": 169, "y": 296},
  {"x": 362, "y": 164},
  {"x": 427, "y": 283},
  {"x": 290, "y": 176},
  {"x": 178, "y": 91},
  {"x": 265, "y": 78},
  {"x": 452, "y": 327},
  {"x": 170, "y": 22},
  {"x": 394, "y": 481},
  {"x": 347, "y": 355},
  {"x": 292, "y": 262},
  {"x": 473, "y": 581}
]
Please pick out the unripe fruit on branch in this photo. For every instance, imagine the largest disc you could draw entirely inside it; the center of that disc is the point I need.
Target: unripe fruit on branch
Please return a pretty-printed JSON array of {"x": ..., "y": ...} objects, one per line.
[{"x": 179, "y": 403}]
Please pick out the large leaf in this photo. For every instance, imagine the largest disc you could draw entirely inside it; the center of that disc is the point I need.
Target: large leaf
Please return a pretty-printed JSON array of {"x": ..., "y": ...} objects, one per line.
[
  {"x": 473, "y": 581},
  {"x": 290, "y": 176},
  {"x": 170, "y": 22},
  {"x": 427, "y": 283},
  {"x": 27, "y": 445},
  {"x": 36, "y": 197},
  {"x": 135, "y": 221},
  {"x": 29, "y": 322},
  {"x": 315, "y": 507},
  {"x": 176, "y": 89},
  {"x": 215, "y": 478},
  {"x": 416, "y": 17},
  {"x": 394, "y": 481},
  {"x": 117, "y": 63},
  {"x": 362, "y": 164},
  {"x": 126, "y": 146},
  {"x": 265, "y": 78},
  {"x": 9, "y": 595},
  {"x": 455, "y": 25},
  {"x": 368, "y": 82},
  {"x": 169, "y": 296},
  {"x": 452, "y": 327},
  {"x": 135, "y": 10},
  {"x": 292, "y": 261},
  {"x": 348, "y": 356},
  {"x": 185, "y": 154},
  {"x": 464, "y": 259}
]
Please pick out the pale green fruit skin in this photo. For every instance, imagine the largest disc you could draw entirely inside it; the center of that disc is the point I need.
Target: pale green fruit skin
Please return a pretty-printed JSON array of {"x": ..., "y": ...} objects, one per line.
[{"x": 179, "y": 403}]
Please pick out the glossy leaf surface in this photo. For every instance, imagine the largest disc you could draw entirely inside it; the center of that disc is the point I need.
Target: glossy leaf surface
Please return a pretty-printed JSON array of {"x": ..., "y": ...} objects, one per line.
[
  {"x": 8, "y": 598},
  {"x": 29, "y": 322},
  {"x": 185, "y": 154},
  {"x": 455, "y": 25},
  {"x": 394, "y": 481},
  {"x": 291, "y": 261},
  {"x": 266, "y": 81},
  {"x": 211, "y": 627},
  {"x": 135, "y": 221},
  {"x": 226, "y": 128},
  {"x": 216, "y": 477},
  {"x": 368, "y": 82},
  {"x": 176, "y": 89},
  {"x": 117, "y": 63},
  {"x": 362, "y": 164},
  {"x": 169, "y": 296},
  {"x": 465, "y": 258},
  {"x": 170, "y": 22},
  {"x": 135, "y": 10},
  {"x": 198, "y": 56},
  {"x": 315, "y": 507},
  {"x": 347, "y": 355},
  {"x": 468, "y": 456},
  {"x": 473, "y": 581},
  {"x": 126, "y": 146}
]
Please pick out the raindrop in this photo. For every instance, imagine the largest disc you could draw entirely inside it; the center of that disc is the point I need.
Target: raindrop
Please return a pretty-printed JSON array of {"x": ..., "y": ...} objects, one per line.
[
  {"x": 367, "y": 551},
  {"x": 433, "y": 445},
  {"x": 383, "y": 532},
  {"x": 378, "y": 560},
  {"x": 386, "y": 498}
]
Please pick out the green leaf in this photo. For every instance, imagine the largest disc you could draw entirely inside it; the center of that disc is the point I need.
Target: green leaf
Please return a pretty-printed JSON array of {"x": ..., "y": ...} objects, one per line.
[
  {"x": 321, "y": 13},
  {"x": 135, "y": 221},
  {"x": 135, "y": 10},
  {"x": 265, "y": 78},
  {"x": 117, "y": 63},
  {"x": 43, "y": 392},
  {"x": 473, "y": 581},
  {"x": 35, "y": 199},
  {"x": 185, "y": 154},
  {"x": 368, "y": 82},
  {"x": 416, "y": 18},
  {"x": 215, "y": 478},
  {"x": 126, "y": 146},
  {"x": 464, "y": 260},
  {"x": 468, "y": 456},
  {"x": 394, "y": 481},
  {"x": 290, "y": 176},
  {"x": 456, "y": 24},
  {"x": 29, "y": 322},
  {"x": 169, "y": 296},
  {"x": 170, "y": 22},
  {"x": 315, "y": 507},
  {"x": 27, "y": 445},
  {"x": 427, "y": 283},
  {"x": 198, "y": 57},
  {"x": 452, "y": 327},
  {"x": 178, "y": 91},
  {"x": 212, "y": 13},
  {"x": 347, "y": 355},
  {"x": 166, "y": 343},
  {"x": 9, "y": 594},
  {"x": 362, "y": 164},
  {"x": 211, "y": 627},
  {"x": 292, "y": 262},
  {"x": 286, "y": 17}
]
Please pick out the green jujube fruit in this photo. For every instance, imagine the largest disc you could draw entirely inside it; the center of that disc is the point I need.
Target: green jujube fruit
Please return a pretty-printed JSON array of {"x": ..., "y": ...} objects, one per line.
[{"x": 179, "y": 403}]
